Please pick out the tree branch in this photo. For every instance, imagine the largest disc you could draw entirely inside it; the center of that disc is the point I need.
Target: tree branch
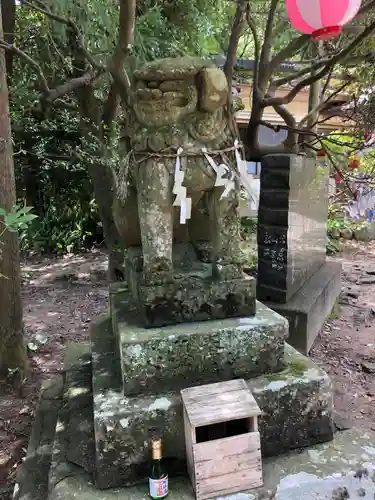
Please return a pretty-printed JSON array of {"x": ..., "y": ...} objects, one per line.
[
  {"x": 292, "y": 138},
  {"x": 366, "y": 8},
  {"x": 287, "y": 52},
  {"x": 67, "y": 22},
  {"x": 286, "y": 115},
  {"x": 265, "y": 55},
  {"x": 126, "y": 41},
  {"x": 253, "y": 30},
  {"x": 233, "y": 42},
  {"x": 324, "y": 71},
  {"x": 323, "y": 104},
  {"x": 46, "y": 11},
  {"x": 71, "y": 85},
  {"x": 330, "y": 62},
  {"x": 326, "y": 85},
  {"x": 127, "y": 23},
  {"x": 51, "y": 95},
  {"x": 110, "y": 106},
  {"x": 38, "y": 70},
  {"x": 328, "y": 152},
  {"x": 8, "y": 10},
  {"x": 280, "y": 126}
]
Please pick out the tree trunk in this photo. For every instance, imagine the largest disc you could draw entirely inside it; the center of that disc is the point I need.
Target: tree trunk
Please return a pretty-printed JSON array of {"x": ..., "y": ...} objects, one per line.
[
  {"x": 12, "y": 351},
  {"x": 31, "y": 182},
  {"x": 8, "y": 8},
  {"x": 102, "y": 177},
  {"x": 103, "y": 181}
]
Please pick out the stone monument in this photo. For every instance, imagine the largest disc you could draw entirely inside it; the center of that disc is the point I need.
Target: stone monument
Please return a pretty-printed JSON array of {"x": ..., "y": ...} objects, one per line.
[
  {"x": 186, "y": 314},
  {"x": 294, "y": 277}
]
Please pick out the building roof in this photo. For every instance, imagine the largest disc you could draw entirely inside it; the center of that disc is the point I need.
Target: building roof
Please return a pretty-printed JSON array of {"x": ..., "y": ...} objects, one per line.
[{"x": 249, "y": 64}]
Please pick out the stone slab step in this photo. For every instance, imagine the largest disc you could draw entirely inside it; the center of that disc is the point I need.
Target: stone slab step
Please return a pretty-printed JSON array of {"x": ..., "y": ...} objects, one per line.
[
  {"x": 176, "y": 357},
  {"x": 296, "y": 405},
  {"x": 316, "y": 473},
  {"x": 32, "y": 476},
  {"x": 80, "y": 444},
  {"x": 73, "y": 446}
]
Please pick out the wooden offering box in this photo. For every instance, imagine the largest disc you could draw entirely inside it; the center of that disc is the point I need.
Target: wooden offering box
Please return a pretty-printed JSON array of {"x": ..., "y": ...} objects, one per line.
[{"x": 222, "y": 438}]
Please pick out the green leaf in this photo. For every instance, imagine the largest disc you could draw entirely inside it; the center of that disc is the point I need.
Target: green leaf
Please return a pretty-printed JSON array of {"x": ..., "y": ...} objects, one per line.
[{"x": 25, "y": 209}]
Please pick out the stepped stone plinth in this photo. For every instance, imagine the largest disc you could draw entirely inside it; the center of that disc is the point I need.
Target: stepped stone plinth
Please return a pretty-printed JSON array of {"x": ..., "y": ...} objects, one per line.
[{"x": 296, "y": 404}]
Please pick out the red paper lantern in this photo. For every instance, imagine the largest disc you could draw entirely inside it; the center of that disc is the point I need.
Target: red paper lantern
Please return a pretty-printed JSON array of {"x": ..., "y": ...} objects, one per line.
[{"x": 323, "y": 19}]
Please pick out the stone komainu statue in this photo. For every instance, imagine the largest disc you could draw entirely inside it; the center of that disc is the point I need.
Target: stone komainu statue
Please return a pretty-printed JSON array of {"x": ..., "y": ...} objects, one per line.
[
  {"x": 179, "y": 131},
  {"x": 178, "y": 103}
]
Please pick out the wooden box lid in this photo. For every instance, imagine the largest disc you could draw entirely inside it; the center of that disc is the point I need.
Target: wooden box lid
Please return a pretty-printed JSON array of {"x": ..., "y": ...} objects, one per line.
[{"x": 221, "y": 402}]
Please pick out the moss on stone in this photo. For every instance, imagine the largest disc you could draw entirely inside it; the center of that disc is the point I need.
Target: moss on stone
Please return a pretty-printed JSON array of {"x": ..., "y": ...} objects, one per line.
[
  {"x": 272, "y": 377},
  {"x": 298, "y": 367},
  {"x": 294, "y": 368},
  {"x": 174, "y": 357}
]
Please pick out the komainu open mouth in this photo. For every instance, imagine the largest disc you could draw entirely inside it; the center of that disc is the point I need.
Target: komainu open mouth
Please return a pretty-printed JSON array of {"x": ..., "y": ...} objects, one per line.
[{"x": 157, "y": 100}]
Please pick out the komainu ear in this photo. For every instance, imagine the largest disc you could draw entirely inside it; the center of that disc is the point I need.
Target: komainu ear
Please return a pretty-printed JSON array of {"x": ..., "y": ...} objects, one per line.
[{"x": 213, "y": 89}]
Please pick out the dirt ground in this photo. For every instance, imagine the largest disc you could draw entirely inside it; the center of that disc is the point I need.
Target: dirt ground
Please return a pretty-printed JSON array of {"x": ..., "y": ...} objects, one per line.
[
  {"x": 345, "y": 348},
  {"x": 62, "y": 296}
]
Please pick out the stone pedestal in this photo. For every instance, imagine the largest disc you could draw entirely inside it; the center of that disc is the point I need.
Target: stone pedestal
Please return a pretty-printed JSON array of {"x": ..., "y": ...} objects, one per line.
[
  {"x": 293, "y": 277},
  {"x": 294, "y": 395},
  {"x": 194, "y": 293},
  {"x": 180, "y": 356}
]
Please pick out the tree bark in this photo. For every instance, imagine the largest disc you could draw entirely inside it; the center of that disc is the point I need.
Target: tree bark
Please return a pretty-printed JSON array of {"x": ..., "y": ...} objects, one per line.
[
  {"x": 102, "y": 178},
  {"x": 12, "y": 350},
  {"x": 8, "y": 8}
]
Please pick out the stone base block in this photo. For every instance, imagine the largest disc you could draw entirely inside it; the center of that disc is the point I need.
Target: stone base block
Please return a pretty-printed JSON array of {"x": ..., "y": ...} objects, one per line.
[
  {"x": 191, "y": 298},
  {"x": 176, "y": 357},
  {"x": 309, "y": 308},
  {"x": 296, "y": 404}
]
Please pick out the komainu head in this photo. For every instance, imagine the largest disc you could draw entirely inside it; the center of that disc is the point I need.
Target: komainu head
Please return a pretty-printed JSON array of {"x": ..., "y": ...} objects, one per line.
[{"x": 168, "y": 90}]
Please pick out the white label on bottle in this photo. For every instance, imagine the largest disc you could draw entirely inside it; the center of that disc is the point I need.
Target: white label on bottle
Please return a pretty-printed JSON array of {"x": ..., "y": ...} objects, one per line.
[{"x": 158, "y": 487}]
